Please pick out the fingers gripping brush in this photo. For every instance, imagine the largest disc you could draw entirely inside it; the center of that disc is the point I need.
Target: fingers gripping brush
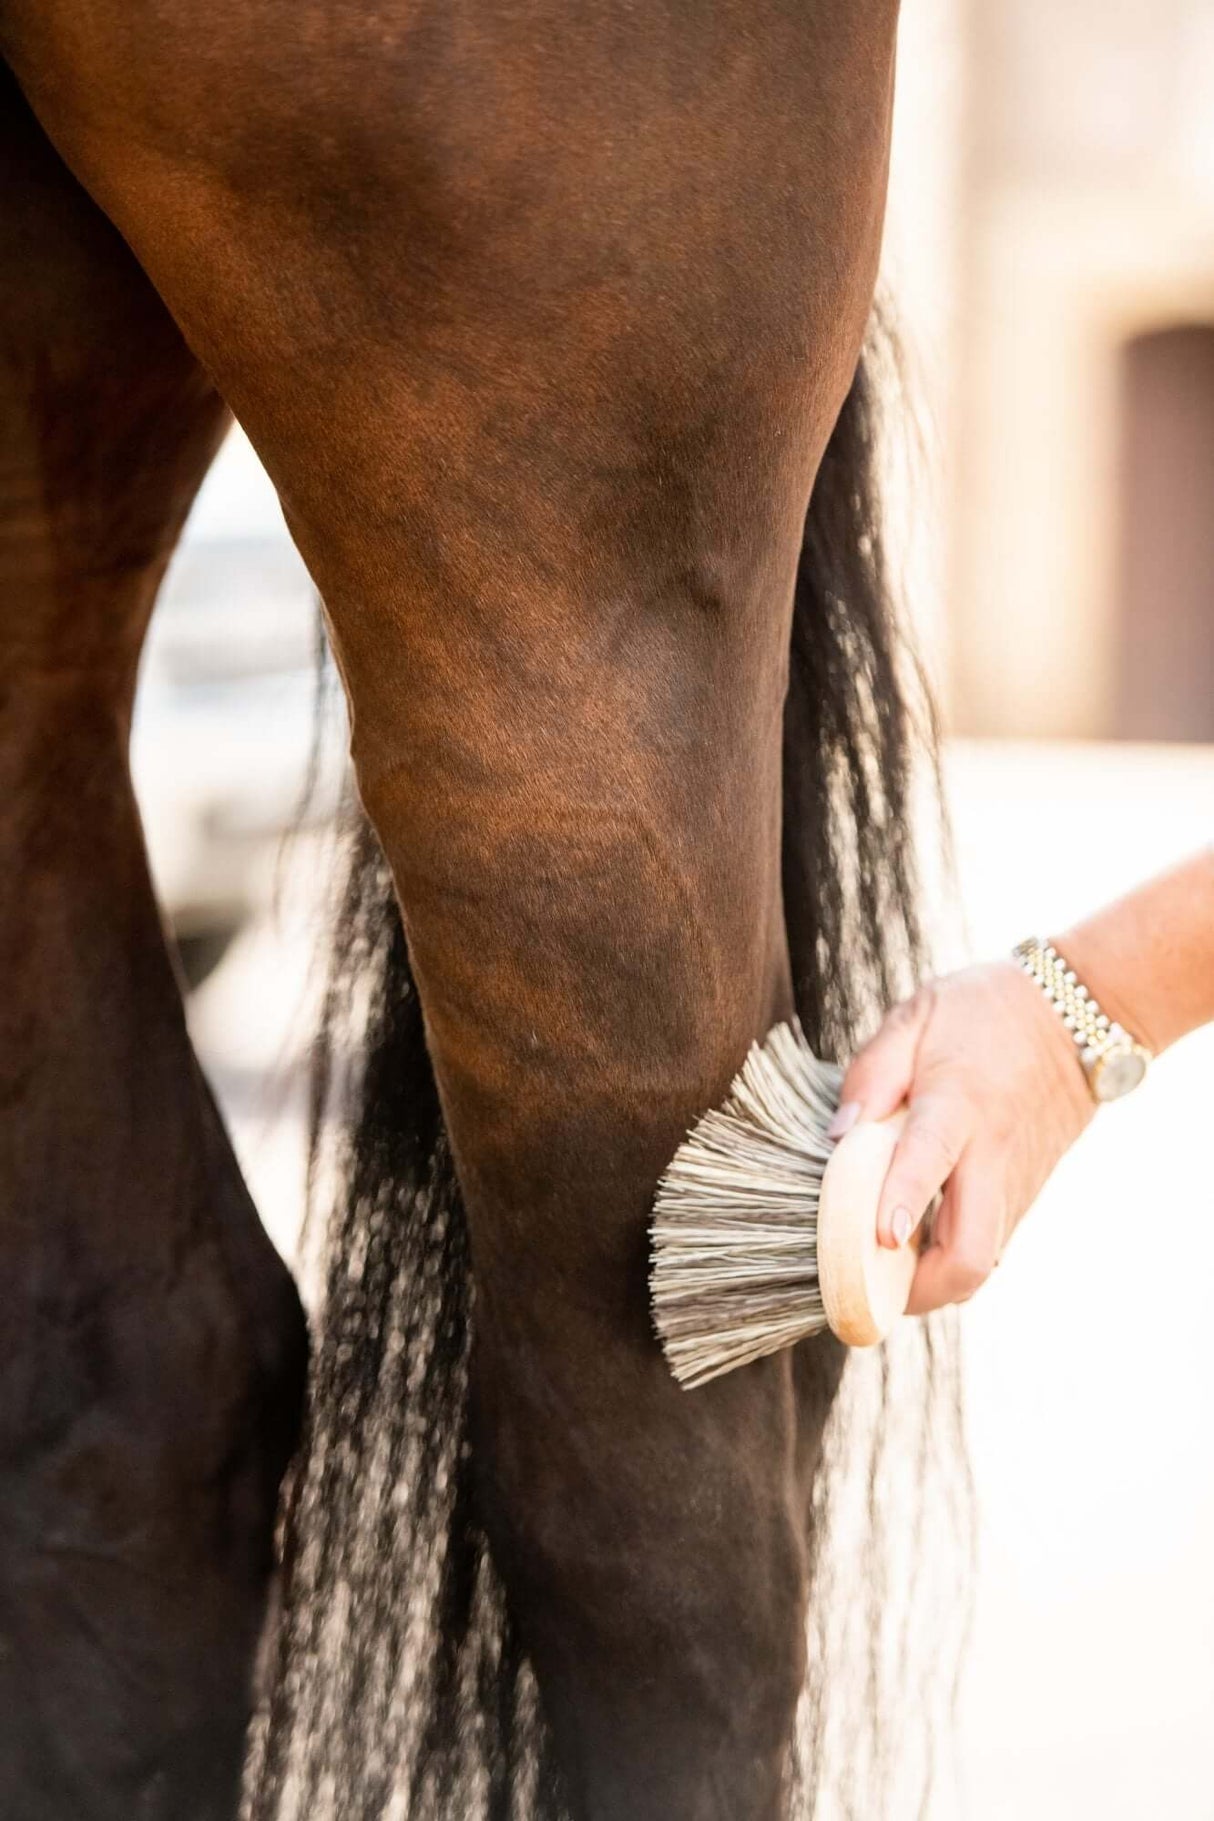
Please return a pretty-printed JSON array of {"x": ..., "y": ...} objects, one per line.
[{"x": 765, "y": 1230}]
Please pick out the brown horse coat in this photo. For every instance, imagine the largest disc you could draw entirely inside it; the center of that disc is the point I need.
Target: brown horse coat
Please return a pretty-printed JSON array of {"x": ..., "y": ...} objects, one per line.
[{"x": 539, "y": 316}]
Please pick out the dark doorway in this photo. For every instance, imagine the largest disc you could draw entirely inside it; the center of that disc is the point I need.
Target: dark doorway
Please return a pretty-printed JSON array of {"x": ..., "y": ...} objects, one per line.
[{"x": 1165, "y": 606}]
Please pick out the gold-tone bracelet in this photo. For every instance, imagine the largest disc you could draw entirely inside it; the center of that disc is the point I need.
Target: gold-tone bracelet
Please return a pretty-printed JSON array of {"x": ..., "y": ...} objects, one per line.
[{"x": 1113, "y": 1062}]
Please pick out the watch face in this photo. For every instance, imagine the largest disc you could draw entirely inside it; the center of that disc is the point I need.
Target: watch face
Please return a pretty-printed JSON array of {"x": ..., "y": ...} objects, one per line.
[{"x": 1115, "y": 1074}]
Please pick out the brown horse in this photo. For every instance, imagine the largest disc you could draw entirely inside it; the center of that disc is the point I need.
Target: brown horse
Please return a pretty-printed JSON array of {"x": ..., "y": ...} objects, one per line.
[{"x": 541, "y": 318}]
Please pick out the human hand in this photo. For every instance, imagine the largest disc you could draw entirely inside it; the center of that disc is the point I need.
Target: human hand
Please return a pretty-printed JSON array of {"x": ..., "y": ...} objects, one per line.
[{"x": 995, "y": 1093}]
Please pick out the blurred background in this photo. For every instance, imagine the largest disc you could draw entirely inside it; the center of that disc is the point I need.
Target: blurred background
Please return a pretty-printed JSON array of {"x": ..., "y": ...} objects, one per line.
[
  {"x": 1050, "y": 254},
  {"x": 1050, "y": 258}
]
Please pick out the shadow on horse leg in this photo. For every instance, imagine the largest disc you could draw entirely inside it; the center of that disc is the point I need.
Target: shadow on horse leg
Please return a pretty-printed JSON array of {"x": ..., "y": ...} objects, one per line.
[{"x": 152, "y": 1353}]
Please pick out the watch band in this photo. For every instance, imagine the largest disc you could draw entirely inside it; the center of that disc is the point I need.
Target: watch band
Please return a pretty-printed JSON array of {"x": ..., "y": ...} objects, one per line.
[{"x": 1112, "y": 1059}]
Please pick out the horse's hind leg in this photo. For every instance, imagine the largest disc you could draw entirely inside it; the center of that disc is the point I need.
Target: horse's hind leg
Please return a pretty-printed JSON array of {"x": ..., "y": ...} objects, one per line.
[
  {"x": 540, "y": 317},
  {"x": 151, "y": 1349}
]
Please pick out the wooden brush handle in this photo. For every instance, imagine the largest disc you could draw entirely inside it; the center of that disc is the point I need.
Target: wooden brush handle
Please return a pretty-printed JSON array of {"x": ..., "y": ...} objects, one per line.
[{"x": 865, "y": 1285}]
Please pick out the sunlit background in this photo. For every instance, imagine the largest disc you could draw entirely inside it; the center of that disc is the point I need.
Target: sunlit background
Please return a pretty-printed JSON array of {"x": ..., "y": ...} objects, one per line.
[
  {"x": 1051, "y": 260},
  {"x": 1051, "y": 253}
]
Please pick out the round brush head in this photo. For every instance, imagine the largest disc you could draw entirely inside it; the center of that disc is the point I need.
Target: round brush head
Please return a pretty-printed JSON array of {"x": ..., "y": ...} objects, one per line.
[{"x": 765, "y": 1230}]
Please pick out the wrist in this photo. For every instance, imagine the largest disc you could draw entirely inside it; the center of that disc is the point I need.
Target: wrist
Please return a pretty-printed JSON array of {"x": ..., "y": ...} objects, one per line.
[
  {"x": 1150, "y": 956},
  {"x": 1057, "y": 1052},
  {"x": 1112, "y": 981},
  {"x": 1113, "y": 1059}
]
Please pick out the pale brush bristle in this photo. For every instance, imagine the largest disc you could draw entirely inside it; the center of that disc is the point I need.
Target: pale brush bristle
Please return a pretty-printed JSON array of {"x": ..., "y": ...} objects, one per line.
[{"x": 735, "y": 1226}]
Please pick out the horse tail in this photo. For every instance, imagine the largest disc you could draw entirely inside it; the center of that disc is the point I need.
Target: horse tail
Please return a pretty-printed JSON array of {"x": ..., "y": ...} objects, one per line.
[
  {"x": 858, "y": 728},
  {"x": 400, "y": 1687},
  {"x": 860, "y": 772}
]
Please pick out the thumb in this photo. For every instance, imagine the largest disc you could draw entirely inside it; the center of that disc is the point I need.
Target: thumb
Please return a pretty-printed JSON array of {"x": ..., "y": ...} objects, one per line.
[{"x": 881, "y": 1075}]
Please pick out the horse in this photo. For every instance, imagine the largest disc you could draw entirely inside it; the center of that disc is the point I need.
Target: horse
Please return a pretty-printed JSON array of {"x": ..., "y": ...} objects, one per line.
[{"x": 547, "y": 323}]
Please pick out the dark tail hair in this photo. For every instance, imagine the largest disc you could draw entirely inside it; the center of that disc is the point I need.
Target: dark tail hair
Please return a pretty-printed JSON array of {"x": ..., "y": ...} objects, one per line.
[
  {"x": 858, "y": 725},
  {"x": 399, "y": 1687}
]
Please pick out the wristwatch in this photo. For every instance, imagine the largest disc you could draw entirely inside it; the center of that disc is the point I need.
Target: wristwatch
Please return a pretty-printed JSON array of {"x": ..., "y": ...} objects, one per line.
[{"x": 1112, "y": 1061}]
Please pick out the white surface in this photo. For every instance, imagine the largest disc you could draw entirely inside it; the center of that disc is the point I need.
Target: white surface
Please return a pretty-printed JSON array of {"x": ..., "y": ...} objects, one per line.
[{"x": 1091, "y": 1686}]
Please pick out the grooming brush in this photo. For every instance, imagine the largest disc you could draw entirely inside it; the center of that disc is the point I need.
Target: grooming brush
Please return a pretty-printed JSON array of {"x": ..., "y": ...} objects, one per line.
[{"x": 765, "y": 1230}]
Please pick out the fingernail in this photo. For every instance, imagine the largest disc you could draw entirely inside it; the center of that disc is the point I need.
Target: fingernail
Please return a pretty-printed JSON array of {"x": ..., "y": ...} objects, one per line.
[
  {"x": 844, "y": 1119},
  {"x": 900, "y": 1226}
]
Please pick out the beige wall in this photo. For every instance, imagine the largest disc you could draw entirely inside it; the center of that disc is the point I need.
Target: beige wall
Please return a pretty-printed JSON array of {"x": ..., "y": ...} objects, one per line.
[
  {"x": 1084, "y": 197},
  {"x": 918, "y": 282}
]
